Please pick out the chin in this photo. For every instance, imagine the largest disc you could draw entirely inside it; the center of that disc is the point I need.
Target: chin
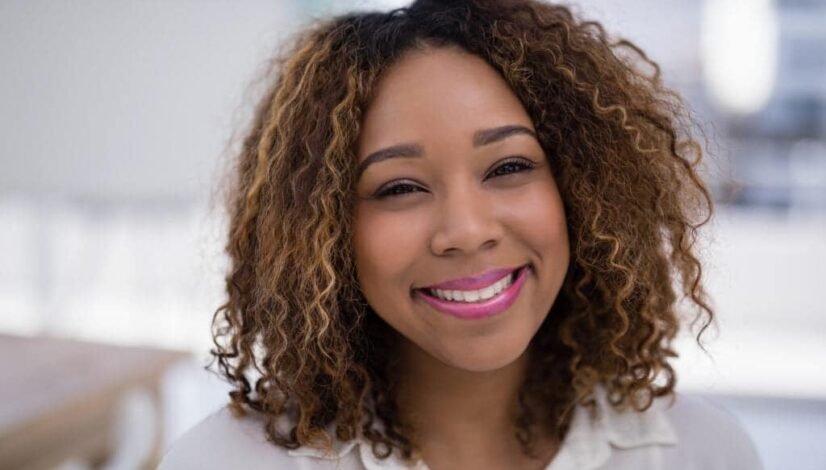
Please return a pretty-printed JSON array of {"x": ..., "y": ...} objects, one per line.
[{"x": 484, "y": 358}]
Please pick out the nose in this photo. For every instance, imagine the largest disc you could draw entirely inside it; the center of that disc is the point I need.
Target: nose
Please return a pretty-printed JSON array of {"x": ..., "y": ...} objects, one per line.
[{"x": 465, "y": 222}]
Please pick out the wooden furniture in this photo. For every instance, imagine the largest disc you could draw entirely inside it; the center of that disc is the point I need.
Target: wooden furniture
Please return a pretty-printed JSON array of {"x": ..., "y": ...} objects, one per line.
[{"x": 59, "y": 399}]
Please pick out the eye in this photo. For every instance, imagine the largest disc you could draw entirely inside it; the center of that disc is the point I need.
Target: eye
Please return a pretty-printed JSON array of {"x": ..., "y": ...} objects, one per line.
[
  {"x": 395, "y": 189},
  {"x": 513, "y": 165}
]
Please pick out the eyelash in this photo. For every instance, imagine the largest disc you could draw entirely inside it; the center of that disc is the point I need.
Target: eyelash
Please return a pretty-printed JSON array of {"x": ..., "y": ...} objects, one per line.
[{"x": 523, "y": 164}]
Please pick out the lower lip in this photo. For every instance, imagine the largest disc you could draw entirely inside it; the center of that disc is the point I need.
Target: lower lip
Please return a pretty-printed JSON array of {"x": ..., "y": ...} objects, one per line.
[{"x": 475, "y": 310}]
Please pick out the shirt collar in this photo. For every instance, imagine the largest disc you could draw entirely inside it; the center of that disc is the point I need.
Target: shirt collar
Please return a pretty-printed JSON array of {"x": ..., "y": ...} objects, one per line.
[
  {"x": 588, "y": 444},
  {"x": 592, "y": 438}
]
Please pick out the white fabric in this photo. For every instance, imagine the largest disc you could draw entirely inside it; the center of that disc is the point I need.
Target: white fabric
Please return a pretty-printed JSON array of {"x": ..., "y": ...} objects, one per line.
[{"x": 691, "y": 434}]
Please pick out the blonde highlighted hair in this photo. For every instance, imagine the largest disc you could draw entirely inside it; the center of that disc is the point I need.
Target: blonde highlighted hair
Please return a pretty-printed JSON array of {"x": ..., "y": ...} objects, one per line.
[{"x": 297, "y": 338}]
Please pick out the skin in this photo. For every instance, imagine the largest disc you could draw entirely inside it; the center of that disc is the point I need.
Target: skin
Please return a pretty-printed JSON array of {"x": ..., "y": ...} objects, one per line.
[{"x": 454, "y": 218}]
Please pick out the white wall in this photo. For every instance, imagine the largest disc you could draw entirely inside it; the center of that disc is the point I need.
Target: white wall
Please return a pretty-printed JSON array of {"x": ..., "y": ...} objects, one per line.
[{"x": 122, "y": 99}]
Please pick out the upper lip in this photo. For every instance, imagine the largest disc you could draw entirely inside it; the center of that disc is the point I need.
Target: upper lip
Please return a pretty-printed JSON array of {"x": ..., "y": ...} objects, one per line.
[{"x": 474, "y": 282}]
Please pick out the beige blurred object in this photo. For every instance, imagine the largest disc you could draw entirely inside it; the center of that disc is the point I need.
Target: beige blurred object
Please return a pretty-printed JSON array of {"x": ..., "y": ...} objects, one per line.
[{"x": 64, "y": 401}]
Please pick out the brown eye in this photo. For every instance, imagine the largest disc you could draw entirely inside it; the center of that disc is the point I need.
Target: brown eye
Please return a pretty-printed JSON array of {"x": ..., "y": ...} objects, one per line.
[
  {"x": 515, "y": 165},
  {"x": 398, "y": 189}
]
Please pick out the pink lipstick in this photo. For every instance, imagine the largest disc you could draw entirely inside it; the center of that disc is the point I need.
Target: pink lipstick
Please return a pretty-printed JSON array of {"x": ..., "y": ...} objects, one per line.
[
  {"x": 475, "y": 282},
  {"x": 481, "y": 309}
]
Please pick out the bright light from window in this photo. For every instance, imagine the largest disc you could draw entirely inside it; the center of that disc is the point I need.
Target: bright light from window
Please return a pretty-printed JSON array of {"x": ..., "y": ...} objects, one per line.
[{"x": 739, "y": 52}]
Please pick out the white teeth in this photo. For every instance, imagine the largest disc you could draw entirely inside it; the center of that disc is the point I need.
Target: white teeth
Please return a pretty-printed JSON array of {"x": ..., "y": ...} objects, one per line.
[{"x": 474, "y": 295}]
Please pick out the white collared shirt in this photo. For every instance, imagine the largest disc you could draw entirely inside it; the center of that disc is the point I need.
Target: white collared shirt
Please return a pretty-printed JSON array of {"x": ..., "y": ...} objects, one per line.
[{"x": 691, "y": 434}]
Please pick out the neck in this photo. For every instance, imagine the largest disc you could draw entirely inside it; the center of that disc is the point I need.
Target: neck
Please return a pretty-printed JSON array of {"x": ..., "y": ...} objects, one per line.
[{"x": 458, "y": 409}]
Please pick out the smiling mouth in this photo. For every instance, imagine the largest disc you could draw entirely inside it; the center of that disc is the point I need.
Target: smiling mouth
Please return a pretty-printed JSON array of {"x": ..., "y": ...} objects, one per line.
[{"x": 488, "y": 302}]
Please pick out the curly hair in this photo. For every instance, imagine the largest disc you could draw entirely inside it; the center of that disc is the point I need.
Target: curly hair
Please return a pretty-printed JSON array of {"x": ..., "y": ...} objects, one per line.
[{"x": 295, "y": 323}]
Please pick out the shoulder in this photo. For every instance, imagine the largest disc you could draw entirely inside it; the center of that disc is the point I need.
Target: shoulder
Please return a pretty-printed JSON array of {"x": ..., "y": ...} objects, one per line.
[
  {"x": 222, "y": 440},
  {"x": 709, "y": 435}
]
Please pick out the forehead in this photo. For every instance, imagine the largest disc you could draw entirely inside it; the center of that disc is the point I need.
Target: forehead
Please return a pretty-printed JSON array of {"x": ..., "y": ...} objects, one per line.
[{"x": 437, "y": 94}]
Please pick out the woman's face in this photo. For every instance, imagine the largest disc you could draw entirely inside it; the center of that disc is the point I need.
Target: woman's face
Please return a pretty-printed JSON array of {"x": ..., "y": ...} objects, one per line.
[{"x": 460, "y": 195}]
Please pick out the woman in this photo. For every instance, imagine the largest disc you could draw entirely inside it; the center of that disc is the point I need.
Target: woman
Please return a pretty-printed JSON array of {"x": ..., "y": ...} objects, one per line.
[{"x": 456, "y": 233}]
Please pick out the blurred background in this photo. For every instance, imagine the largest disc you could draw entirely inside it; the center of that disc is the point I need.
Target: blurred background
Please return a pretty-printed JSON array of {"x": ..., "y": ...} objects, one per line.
[{"x": 116, "y": 122}]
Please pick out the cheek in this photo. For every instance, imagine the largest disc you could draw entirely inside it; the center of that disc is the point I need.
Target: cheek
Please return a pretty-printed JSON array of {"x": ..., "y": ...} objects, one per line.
[
  {"x": 551, "y": 227},
  {"x": 385, "y": 244},
  {"x": 540, "y": 217}
]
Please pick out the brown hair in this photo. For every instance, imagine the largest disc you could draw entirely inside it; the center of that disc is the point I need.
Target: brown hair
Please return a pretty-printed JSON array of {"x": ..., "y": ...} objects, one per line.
[{"x": 619, "y": 144}]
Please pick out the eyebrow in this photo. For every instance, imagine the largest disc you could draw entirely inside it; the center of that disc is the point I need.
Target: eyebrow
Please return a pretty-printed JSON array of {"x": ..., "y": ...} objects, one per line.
[{"x": 480, "y": 138}]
